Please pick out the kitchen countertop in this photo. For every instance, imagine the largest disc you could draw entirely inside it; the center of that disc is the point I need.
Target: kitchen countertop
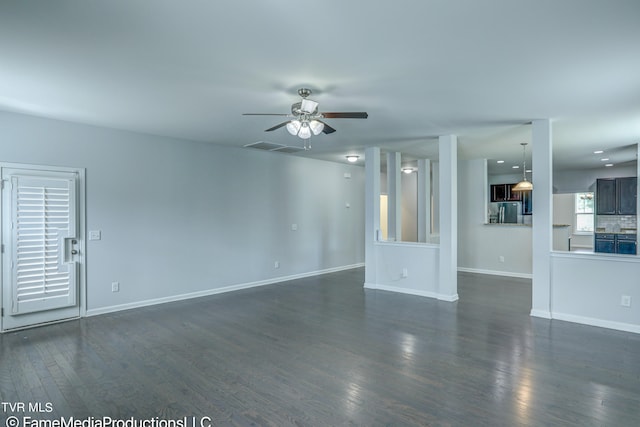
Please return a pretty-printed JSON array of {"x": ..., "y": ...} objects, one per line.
[{"x": 511, "y": 224}]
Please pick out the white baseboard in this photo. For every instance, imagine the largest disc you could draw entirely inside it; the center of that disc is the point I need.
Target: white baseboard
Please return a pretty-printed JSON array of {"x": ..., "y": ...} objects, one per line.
[
  {"x": 541, "y": 313},
  {"x": 409, "y": 291},
  {"x": 619, "y": 326},
  {"x": 208, "y": 292},
  {"x": 496, "y": 272}
]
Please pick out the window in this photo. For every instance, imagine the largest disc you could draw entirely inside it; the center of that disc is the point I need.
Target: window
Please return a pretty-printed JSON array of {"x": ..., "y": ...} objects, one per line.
[{"x": 584, "y": 212}]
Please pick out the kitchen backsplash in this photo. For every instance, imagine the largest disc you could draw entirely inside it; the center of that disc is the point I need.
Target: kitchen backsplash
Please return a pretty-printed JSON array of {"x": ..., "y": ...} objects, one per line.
[{"x": 613, "y": 223}]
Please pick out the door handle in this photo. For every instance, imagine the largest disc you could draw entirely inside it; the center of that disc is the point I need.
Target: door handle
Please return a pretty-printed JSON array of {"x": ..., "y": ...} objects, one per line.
[{"x": 74, "y": 252}]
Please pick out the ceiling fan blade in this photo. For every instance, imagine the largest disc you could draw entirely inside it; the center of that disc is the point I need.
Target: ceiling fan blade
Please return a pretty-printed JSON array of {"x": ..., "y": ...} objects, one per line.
[
  {"x": 351, "y": 115},
  {"x": 327, "y": 129},
  {"x": 263, "y": 114},
  {"x": 277, "y": 126}
]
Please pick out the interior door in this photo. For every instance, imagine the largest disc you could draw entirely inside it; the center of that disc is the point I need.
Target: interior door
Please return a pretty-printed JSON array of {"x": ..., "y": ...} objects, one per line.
[{"x": 40, "y": 251}]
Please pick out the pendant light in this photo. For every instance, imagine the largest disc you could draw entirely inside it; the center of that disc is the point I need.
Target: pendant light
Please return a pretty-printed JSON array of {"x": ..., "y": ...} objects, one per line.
[{"x": 523, "y": 185}]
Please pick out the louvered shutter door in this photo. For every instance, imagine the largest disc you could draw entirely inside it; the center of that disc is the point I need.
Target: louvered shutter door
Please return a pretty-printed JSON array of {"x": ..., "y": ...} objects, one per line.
[{"x": 42, "y": 218}]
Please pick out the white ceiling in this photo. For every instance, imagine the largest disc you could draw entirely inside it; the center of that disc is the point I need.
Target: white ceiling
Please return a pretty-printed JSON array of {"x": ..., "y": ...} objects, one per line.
[{"x": 477, "y": 69}]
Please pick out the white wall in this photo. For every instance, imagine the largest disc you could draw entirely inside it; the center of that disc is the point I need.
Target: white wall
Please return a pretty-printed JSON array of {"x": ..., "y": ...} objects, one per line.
[
  {"x": 481, "y": 246},
  {"x": 588, "y": 289},
  {"x": 419, "y": 260},
  {"x": 585, "y": 180},
  {"x": 180, "y": 218},
  {"x": 409, "y": 207}
]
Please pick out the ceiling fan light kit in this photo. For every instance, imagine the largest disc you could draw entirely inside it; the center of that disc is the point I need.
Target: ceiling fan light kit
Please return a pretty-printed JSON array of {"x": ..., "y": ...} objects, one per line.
[{"x": 306, "y": 120}]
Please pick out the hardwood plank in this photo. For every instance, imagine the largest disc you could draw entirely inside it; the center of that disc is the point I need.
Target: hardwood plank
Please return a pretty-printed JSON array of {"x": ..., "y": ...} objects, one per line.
[{"x": 323, "y": 351}]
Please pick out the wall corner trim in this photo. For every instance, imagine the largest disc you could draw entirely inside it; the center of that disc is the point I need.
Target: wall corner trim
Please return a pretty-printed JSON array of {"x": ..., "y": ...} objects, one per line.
[{"x": 541, "y": 313}]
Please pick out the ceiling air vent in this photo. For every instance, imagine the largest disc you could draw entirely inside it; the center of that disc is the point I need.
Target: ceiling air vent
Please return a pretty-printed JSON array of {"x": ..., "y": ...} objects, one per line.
[
  {"x": 289, "y": 149},
  {"x": 270, "y": 146}
]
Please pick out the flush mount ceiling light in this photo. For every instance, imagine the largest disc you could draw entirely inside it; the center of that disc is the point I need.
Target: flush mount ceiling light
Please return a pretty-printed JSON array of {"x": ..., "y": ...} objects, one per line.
[
  {"x": 523, "y": 185},
  {"x": 407, "y": 170},
  {"x": 352, "y": 158}
]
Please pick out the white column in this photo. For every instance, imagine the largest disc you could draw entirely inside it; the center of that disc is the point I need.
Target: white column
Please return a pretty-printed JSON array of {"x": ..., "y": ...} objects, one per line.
[
  {"x": 448, "y": 285},
  {"x": 372, "y": 213},
  {"x": 394, "y": 193},
  {"x": 542, "y": 239},
  {"x": 424, "y": 200}
]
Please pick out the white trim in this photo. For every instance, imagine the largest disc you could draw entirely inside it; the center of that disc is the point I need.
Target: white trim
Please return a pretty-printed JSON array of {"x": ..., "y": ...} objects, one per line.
[
  {"x": 409, "y": 291},
  {"x": 215, "y": 291},
  {"x": 541, "y": 313},
  {"x": 496, "y": 272},
  {"x": 591, "y": 321},
  {"x": 81, "y": 204},
  {"x": 406, "y": 244},
  {"x": 597, "y": 256}
]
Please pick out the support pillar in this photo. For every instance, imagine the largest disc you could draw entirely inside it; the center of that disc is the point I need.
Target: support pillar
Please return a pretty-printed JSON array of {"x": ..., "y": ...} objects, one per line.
[
  {"x": 448, "y": 285},
  {"x": 372, "y": 212},
  {"x": 424, "y": 200},
  {"x": 542, "y": 239},
  {"x": 394, "y": 193}
]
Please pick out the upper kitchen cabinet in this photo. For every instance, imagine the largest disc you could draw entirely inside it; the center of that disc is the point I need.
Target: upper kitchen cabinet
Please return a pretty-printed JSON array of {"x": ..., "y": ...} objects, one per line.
[
  {"x": 616, "y": 196},
  {"x": 626, "y": 195},
  {"x": 503, "y": 193},
  {"x": 606, "y": 196}
]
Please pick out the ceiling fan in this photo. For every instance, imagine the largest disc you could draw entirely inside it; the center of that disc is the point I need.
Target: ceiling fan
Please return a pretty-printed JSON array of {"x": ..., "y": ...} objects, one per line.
[{"x": 306, "y": 120}]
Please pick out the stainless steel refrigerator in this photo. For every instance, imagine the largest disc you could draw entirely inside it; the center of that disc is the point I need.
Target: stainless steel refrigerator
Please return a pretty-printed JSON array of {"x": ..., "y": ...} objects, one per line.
[{"x": 509, "y": 212}]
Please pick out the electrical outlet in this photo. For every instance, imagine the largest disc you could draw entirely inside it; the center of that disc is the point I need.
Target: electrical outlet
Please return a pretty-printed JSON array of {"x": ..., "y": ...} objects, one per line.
[
  {"x": 115, "y": 286},
  {"x": 276, "y": 264},
  {"x": 625, "y": 301},
  {"x": 405, "y": 273},
  {"x": 294, "y": 227},
  {"x": 95, "y": 235},
  {"x": 501, "y": 258}
]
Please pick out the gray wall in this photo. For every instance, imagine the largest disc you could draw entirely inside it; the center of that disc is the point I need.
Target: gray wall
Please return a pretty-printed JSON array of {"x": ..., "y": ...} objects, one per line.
[
  {"x": 493, "y": 249},
  {"x": 179, "y": 217}
]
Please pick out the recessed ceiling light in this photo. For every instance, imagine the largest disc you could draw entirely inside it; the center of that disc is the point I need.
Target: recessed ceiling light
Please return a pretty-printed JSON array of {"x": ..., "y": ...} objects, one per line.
[
  {"x": 515, "y": 167},
  {"x": 500, "y": 162},
  {"x": 604, "y": 160},
  {"x": 608, "y": 165},
  {"x": 598, "y": 152},
  {"x": 528, "y": 171}
]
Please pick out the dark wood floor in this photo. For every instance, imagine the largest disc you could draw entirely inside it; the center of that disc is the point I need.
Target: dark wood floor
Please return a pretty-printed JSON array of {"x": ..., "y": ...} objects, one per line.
[{"x": 323, "y": 351}]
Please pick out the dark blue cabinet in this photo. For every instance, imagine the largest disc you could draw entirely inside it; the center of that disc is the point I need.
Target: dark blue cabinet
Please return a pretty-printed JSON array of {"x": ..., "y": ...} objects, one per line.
[
  {"x": 606, "y": 196},
  {"x": 616, "y": 196},
  {"x": 626, "y": 195},
  {"x": 626, "y": 244},
  {"x": 605, "y": 243},
  {"x": 610, "y": 243}
]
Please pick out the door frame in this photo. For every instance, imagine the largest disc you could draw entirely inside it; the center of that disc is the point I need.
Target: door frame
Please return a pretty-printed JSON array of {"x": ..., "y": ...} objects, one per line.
[{"x": 82, "y": 233}]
